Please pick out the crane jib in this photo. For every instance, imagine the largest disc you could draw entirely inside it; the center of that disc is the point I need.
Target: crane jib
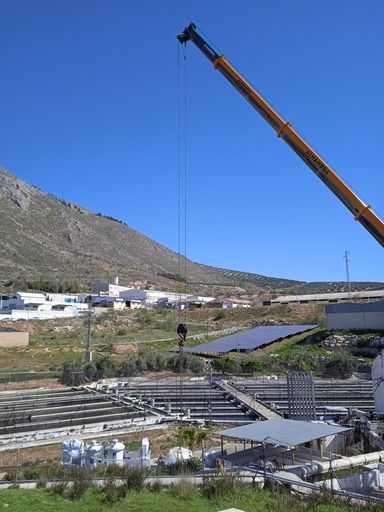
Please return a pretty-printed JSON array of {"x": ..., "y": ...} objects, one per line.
[
  {"x": 361, "y": 211},
  {"x": 317, "y": 161}
]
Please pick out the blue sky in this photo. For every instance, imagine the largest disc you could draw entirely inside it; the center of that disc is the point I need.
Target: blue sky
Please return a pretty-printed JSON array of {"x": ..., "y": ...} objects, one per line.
[{"x": 88, "y": 103}]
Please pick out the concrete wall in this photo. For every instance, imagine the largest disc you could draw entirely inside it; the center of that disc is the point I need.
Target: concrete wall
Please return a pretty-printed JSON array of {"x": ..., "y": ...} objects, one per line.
[{"x": 14, "y": 339}]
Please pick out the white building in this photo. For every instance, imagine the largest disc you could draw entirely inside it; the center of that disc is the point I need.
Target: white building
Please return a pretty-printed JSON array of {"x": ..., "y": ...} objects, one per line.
[
  {"x": 152, "y": 297},
  {"x": 106, "y": 301},
  {"x": 106, "y": 288},
  {"x": 38, "y": 306}
]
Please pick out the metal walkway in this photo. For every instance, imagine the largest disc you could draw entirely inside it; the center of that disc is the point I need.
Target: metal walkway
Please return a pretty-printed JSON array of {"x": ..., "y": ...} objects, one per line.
[{"x": 251, "y": 403}]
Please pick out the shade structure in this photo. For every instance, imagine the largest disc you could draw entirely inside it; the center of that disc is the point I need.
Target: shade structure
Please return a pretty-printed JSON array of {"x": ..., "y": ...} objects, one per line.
[
  {"x": 250, "y": 339},
  {"x": 283, "y": 432}
]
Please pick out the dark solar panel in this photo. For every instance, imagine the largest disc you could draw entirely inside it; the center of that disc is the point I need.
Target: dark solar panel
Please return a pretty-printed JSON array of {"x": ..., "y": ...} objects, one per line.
[{"x": 250, "y": 340}]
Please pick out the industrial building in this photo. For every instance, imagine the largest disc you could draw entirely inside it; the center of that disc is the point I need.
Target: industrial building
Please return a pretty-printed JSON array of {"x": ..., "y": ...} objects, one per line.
[
  {"x": 356, "y": 316},
  {"x": 327, "y": 297},
  {"x": 103, "y": 287},
  {"x": 153, "y": 297},
  {"x": 40, "y": 306}
]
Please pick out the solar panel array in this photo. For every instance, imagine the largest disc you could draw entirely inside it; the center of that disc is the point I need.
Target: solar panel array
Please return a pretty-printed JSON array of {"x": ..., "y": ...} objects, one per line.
[{"x": 249, "y": 340}]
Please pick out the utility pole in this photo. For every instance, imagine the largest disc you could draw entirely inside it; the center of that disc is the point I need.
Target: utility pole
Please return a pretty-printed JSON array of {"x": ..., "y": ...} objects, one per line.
[
  {"x": 347, "y": 260},
  {"x": 88, "y": 356}
]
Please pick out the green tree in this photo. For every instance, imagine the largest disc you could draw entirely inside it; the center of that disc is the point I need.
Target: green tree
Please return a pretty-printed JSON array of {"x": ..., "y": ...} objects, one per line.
[
  {"x": 250, "y": 366},
  {"x": 224, "y": 365}
]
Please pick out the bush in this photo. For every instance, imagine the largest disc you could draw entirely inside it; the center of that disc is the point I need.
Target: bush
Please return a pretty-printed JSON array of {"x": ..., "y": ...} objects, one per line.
[
  {"x": 105, "y": 367},
  {"x": 183, "y": 489},
  {"x": 250, "y": 366},
  {"x": 224, "y": 365},
  {"x": 220, "y": 487},
  {"x": 31, "y": 473},
  {"x": 114, "y": 471},
  {"x": 341, "y": 364},
  {"x": 134, "y": 479},
  {"x": 128, "y": 368},
  {"x": 181, "y": 362},
  {"x": 184, "y": 467},
  {"x": 113, "y": 491},
  {"x": 10, "y": 476},
  {"x": 60, "y": 488},
  {"x": 155, "y": 486},
  {"x": 74, "y": 373},
  {"x": 81, "y": 483}
]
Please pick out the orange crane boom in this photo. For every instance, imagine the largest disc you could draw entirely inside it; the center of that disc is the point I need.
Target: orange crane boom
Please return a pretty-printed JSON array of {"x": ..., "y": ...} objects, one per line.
[{"x": 361, "y": 211}]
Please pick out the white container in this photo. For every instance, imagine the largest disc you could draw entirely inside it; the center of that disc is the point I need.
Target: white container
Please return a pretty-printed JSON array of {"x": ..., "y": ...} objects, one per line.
[
  {"x": 145, "y": 451},
  {"x": 114, "y": 452},
  {"x": 93, "y": 455},
  {"x": 72, "y": 452}
]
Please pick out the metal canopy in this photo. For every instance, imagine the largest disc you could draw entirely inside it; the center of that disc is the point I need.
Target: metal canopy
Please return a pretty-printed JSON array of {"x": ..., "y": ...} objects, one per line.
[
  {"x": 283, "y": 432},
  {"x": 249, "y": 340}
]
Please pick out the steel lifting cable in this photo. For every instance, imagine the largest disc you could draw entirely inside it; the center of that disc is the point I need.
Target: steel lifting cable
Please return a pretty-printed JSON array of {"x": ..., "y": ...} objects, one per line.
[
  {"x": 182, "y": 190},
  {"x": 181, "y": 213}
]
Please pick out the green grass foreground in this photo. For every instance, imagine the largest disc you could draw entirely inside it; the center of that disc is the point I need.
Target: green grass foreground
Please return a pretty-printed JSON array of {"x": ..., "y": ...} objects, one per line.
[{"x": 249, "y": 500}]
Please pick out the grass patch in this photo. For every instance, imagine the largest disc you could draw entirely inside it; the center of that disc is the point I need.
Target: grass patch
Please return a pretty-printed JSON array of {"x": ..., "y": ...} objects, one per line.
[{"x": 180, "y": 500}]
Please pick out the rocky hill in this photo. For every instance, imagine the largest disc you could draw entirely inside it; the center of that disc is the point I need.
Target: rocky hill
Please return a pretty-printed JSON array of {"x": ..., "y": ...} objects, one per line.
[{"x": 47, "y": 238}]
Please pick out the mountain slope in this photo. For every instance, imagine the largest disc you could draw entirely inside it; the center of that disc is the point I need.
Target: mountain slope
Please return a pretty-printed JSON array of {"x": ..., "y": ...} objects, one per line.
[{"x": 48, "y": 238}]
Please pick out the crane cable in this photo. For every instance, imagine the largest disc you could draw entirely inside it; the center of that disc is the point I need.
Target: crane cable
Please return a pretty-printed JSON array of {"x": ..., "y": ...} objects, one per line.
[
  {"x": 182, "y": 189},
  {"x": 181, "y": 216}
]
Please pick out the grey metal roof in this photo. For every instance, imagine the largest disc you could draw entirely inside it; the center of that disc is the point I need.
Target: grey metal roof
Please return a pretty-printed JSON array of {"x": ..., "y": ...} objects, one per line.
[
  {"x": 353, "y": 307},
  {"x": 283, "y": 432},
  {"x": 249, "y": 340},
  {"x": 371, "y": 294}
]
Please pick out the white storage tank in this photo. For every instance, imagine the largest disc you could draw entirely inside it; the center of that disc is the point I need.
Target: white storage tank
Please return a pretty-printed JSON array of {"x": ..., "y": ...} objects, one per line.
[
  {"x": 145, "y": 453},
  {"x": 114, "y": 452},
  {"x": 72, "y": 452},
  {"x": 93, "y": 456},
  {"x": 178, "y": 455}
]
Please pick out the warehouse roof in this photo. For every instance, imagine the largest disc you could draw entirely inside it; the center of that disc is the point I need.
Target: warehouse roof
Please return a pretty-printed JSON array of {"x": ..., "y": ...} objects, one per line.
[
  {"x": 353, "y": 307},
  {"x": 370, "y": 294},
  {"x": 283, "y": 432}
]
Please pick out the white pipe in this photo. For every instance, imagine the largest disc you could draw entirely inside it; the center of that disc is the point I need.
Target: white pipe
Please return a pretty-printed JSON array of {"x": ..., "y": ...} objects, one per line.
[{"x": 346, "y": 462}]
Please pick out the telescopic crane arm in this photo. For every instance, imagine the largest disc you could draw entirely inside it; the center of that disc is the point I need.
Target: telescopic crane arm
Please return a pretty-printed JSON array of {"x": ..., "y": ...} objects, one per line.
[{"x": 362, "y": 212}]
